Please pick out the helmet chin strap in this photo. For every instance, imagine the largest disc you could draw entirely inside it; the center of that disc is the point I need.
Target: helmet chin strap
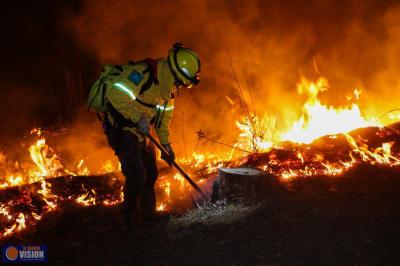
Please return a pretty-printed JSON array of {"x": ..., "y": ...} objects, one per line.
[
  {"x": 177, "y": 81},
  {"x": 193, "y": 81}
]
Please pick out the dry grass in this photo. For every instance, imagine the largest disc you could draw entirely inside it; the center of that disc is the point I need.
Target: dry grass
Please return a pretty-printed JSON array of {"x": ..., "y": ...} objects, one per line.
[{"x": 211, "y": 214}]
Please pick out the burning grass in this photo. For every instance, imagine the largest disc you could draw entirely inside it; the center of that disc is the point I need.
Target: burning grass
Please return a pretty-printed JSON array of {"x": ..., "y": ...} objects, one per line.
[
  {"x": 25, "y": 206},
  {"x": 349, "y": 220},
  {"x": 324, "y": 141}
]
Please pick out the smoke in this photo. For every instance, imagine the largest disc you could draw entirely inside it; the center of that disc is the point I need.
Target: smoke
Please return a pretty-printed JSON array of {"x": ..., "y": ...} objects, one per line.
[
  {"x": 265, "y": 45},
  {"x": 84, "y": 140}
]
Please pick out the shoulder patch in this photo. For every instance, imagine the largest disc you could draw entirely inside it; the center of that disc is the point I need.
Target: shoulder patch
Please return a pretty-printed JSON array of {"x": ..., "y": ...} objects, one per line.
[{"x": 135, "y": 77}]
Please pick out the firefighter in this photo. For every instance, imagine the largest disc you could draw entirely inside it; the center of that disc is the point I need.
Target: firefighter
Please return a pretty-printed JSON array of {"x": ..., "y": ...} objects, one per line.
[{"x": 141, "y": 98}]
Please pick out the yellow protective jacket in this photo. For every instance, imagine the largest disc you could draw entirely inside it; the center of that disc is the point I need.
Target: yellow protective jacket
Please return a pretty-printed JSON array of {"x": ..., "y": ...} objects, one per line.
[{"x": 155, "y": 104}]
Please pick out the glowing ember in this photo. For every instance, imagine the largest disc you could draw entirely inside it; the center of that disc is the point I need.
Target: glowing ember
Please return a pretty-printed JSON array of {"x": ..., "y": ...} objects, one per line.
[{"x": 87, "y": 199}]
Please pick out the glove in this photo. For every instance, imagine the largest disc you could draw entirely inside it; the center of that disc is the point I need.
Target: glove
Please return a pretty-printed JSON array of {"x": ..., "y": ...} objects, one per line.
[
  {"x": 169, "y": 159},
  {"x": 143, "y": 126}
]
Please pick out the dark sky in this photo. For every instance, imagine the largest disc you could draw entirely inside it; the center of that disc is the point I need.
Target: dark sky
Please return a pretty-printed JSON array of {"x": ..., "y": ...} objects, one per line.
[{"x": 39, "y": 63}]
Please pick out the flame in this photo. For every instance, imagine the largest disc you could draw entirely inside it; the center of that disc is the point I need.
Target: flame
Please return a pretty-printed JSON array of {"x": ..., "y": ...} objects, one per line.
[
  {"x": 108, "y": 167},
  {"x": 48, "y": 196},
  {"x": 45, "y": 164},
  {"x": 316, "y": 120},
  {"x": 21, "y": 222},
  {"x": 161, "y": 207},
  {"x": 380, "y": 155},
  {"x": 257, "y": 134},
  {"x": 5, "y": 212},
  {"x": 14, "y": 181},
  {"x": 320, "y": 120},
  {"x": 81, "y": 169},
  {"x": 46, "y": 161},
  {"x": 87, "y": 199}
]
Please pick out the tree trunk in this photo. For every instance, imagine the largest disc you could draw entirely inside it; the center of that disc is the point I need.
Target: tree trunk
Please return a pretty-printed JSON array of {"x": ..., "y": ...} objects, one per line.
[{"x": 247, "y": 185}]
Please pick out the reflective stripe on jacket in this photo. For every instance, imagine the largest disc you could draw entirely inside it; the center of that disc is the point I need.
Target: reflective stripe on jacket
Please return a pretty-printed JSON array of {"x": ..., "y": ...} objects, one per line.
[{"x": 155, "y": 104}]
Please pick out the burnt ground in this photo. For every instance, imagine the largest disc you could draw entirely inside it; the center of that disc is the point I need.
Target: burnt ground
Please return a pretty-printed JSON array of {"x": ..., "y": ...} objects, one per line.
[{"x": 352, "y": 220}]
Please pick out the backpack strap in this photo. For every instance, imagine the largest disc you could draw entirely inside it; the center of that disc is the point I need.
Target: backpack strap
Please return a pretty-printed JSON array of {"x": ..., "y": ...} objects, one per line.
[
  {"x": 145, "y": 104},
  {"x": 152, "y": 70}
]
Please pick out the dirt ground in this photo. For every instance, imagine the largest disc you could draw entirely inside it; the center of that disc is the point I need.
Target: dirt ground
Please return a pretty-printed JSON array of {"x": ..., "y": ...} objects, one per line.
[{"x": 352, "y": 220}]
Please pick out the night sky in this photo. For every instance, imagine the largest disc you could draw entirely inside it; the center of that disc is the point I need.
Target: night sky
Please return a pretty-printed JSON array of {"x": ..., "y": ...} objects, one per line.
[{"x": 39, "y": 62}]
